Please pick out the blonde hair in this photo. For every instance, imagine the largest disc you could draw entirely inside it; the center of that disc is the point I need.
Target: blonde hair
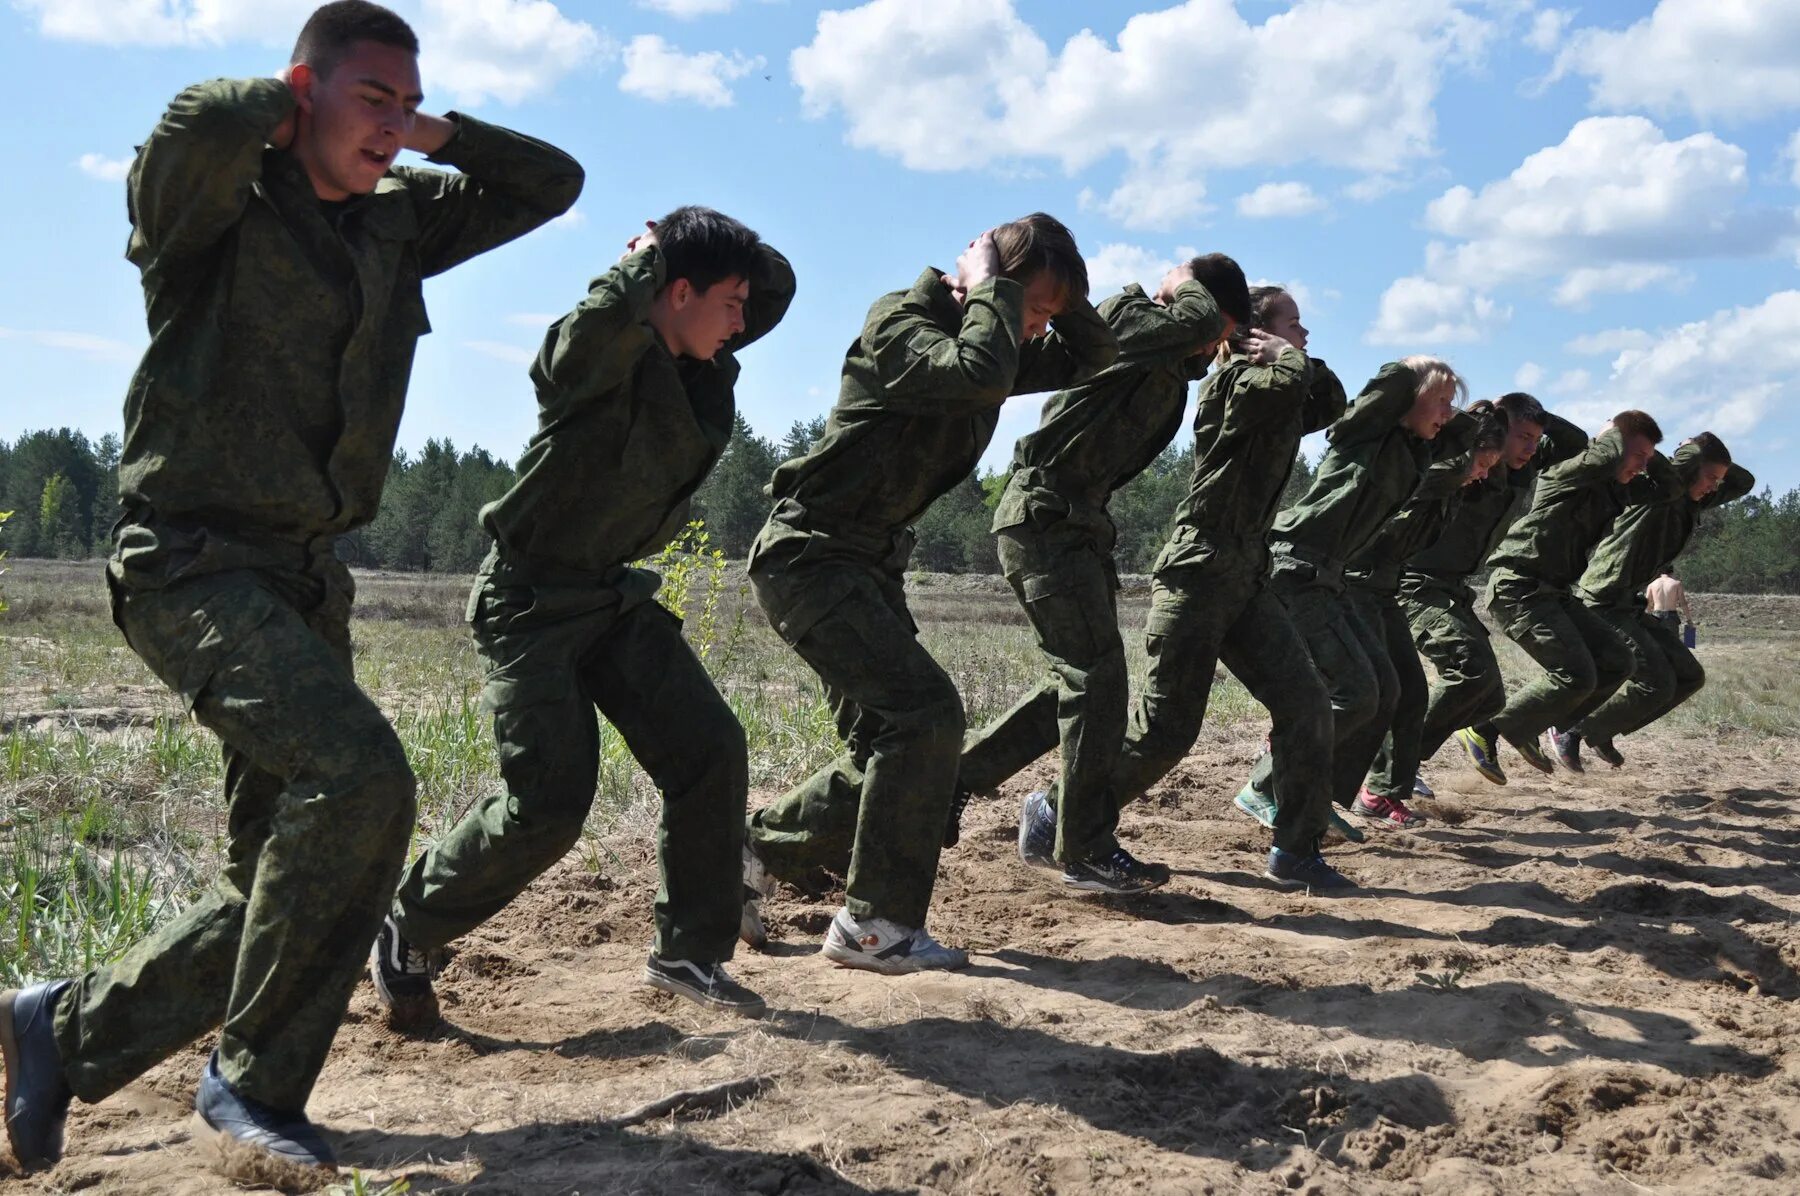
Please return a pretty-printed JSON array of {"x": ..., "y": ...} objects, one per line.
[{"x": 1434, "y": 372}]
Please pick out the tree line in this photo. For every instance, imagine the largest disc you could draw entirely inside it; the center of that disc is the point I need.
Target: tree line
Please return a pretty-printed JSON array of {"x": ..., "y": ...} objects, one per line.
[{"x": 62, "y": 490}]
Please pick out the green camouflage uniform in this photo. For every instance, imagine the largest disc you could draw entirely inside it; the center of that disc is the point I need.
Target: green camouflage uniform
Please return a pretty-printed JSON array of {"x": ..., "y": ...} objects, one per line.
[
  {"x": 1056, "y": 549},
  {"x": 1644, "y": 539},
  {"x": 1370, "y": 470},
  {"x": 1209, "y": 602},
  {"x": 258, "y": 429},
  {"x": 920, "y": 396},
  {"x": 1373, "y": 583},
  {"x": 1440, "y": 606},
  {"x": 626, "y": 433},
  {"x": 1530, "y": 591}
]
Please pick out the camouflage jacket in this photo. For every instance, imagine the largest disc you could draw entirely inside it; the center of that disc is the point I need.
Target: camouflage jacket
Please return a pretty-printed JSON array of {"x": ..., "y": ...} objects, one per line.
[
  {"x": 282, "y": 329},
  {"x": 1649, "y": 535},
  {"x": 1377, "y": 566},
  {"x": 626, "y": 430}
]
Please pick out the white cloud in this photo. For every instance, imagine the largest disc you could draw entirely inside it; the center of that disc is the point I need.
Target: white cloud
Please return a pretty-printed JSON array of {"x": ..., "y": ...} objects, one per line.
[
  {"x": 971, "y": 85},
  {"x": 1619, "y": 278},
  {"x": 1570, "y": 384},
  {"x": 169, "y": 22},
  {"x": 656, "y": 70},
  {"x": 1792, "y": 154},
  {"x": 687, "y": 10},
  {"x": 1273, "y": 200},
  {"x": 573, "y": 218},
  {"x": 1112, "y": 266},
  {"x": 511, "y": 354},
  {"x": 1712, "y": 58},
  {"x": 100, "y": 348},
  {"x": 1420, "y": 313},
  {"x": 107, "y": 170},
  {"x": 1529, "y": 376},
  {"x": 1547, "y": 29},
  {"x": 1613, "y": 340}
]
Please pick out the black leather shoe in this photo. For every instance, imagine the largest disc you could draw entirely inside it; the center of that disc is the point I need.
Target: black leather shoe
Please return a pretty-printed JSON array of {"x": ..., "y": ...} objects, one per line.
[
  {"x": 289, "y": 1137},
  {"x": 37, "y": 1097}
]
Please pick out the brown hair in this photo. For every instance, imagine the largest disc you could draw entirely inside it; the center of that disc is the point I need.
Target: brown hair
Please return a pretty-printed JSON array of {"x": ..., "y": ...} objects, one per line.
[
  {"x": 1037, "y": 244},
  {"x": 1433, "y": 372},
  {"x": 1637, "y": 423},
  {"x": 1712, "y": 449},
  {"x": 1519, "y": 407},
  {"x": 1223, "y": 279},
  {"x": 333, "y": 28},
  {"x": 1491, "y": 425}
]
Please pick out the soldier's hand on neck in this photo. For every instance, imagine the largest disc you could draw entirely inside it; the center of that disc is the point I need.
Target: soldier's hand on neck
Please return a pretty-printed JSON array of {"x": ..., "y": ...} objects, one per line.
[{"x": 429, "y": 133}]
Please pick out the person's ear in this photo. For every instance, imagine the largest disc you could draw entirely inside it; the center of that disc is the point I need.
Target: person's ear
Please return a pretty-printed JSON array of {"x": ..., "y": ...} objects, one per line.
[
  {"x": 680, "y": 292},
  {"x": 302, "y": 78}
]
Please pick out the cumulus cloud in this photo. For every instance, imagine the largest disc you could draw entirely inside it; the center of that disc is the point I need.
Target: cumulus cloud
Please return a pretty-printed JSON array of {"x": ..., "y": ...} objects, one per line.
[
  {"x": 687, "y": 10},
  {"x": 1547, "y": 28},
  {"x": 107, "y": 170},
  {"x": 1529, "y": 376},
  {"x": 1584, "y": 282},
  {"x": 1272, "y": 200},
  {"x": 972, "y": 85},
  {"x": 656, "y": 70},
  {"x": 169, "y": 22},
  {"x": 1114, "y": 265},
  {"x": 1703, "y": 57},
  {"x": 1613, "y": 340},
  {"x": 1420, "y": 313}
]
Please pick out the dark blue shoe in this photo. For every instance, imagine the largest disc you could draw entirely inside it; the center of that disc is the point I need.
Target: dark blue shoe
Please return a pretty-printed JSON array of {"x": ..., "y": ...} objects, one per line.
[
  {"x": 1037, "y": 831},
  {"x": 289, "y": 1137},
  {"x": 1296, "y": 871},
  {"x": 37, "y": 1096}
]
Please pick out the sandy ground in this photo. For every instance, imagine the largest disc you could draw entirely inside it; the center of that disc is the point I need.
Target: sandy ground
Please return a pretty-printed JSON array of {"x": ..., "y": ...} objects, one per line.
[{"x": 1613, "y": 961}]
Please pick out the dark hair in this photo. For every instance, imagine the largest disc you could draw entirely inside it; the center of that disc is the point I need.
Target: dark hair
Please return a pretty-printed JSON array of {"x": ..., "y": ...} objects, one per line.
[
  {"x": 333, "y": 28},
  {"x": 1261, "y": 304},
  {"x": 1224, "y": 280},
  {"x": 1712, "y": 449},
  {"x": 706, "y": 247},
  {"x": 1637, "y": 423},
  {"x": 1039, "y": 243},
  {"x": 1519, "y": 407},
  {"x": 1667, "y": 570},
  {"x": 1490, "y": 427}
]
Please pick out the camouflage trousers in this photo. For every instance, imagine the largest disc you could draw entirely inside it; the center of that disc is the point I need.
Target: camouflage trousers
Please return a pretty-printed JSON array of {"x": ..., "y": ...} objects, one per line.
[
  {"x": 1583, "y": 656},
  {"x": 1352, "y": 661},
  {"x": 1448, "y": 632},
  {"x": 1064, "y": 578},
  {"x": 1394, "y": 751},
  {"x": 1221, "y": 612},
  {"x": 320, "y": 811},
  {"x": 1664, "y": 674},
  {"x": 555, "y": 655},
  {"x": 876, "y": 814}
]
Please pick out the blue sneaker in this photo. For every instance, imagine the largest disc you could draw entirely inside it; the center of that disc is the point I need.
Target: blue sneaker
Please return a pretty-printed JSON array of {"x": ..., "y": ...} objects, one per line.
[
  {"x": 1037, "y": 831},
  {"x": 285, "y": 1135},
  {"x": 1257, "y": 805},
  {"x": 37, "y": 1096},
  {"x": 1293, "y": 870},
  {"x": 1421, "y": 789}
]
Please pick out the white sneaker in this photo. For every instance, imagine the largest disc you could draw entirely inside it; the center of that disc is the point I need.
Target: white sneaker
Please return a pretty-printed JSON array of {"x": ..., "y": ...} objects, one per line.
[
  {"x": 878, "y": 945},
  {"x": 759, "y": 886}
]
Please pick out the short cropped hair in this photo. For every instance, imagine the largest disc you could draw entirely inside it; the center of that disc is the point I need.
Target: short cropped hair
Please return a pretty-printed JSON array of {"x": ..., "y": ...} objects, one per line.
[
  {"x": 1434, "y": 372},
  {"x": 705, "y": 247},
  {"x": 1518, "y": 407},
  {"x": 1637, "y": 423},
  {"x": 333, "y": 28},
  {"x": 1712, "y": 449},
  {"x": 1041, "y": 244},
  {"x": 1224, "y": 281}
]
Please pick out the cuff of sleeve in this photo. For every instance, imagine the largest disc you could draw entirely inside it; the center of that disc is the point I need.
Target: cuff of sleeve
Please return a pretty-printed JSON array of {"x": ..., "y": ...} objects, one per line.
[{"x": 1006, "y": 296}]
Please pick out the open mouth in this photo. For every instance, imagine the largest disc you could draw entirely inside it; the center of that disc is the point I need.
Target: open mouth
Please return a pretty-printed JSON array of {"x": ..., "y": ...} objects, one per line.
[{"x": 377, "y": 158}]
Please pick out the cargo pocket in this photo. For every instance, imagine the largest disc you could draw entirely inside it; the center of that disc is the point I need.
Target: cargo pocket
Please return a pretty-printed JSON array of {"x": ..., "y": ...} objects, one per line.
[
  {"x": 545, "y": 737},
  {"x": 1063, "y": 617},
  {"x": 187, "y": 634}
]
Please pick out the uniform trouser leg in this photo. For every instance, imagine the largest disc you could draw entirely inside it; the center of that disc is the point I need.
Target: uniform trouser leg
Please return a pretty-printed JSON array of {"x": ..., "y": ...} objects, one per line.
[
  {"x": 543, "y": 687},
  {"x": 320, "y": 813},
  {"x": 877, "y": 813},
  {"x": 1583, "y": 659},
  {"x": 1353, "y": 664},
  {"x": 1266, "y": 653},
  {"x": 1396, "y": 762},
  {"x": 1066, "y": 588},
  {"x": 1469, "y": 688},
  {"x": 1665, "y": 675}
]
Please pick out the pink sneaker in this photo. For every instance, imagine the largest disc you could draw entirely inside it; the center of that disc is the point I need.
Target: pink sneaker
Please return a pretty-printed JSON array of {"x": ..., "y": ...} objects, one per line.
[{"x": 1388, "y": 811}]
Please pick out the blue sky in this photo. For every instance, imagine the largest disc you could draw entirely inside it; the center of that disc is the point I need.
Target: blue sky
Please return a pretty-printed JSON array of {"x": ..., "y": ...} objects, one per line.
[{"x": 1595, "y": 204}]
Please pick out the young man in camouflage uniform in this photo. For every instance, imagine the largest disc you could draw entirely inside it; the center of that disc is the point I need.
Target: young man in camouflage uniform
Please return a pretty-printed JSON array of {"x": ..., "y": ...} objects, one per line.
[
  {"x": 635, "y": 405},
  {"x": 282, "y": 252},
  {"x": 921, "y": 394},
  {"x": 1664, "y": 673},
  {"x": 1055, "y": 540}
]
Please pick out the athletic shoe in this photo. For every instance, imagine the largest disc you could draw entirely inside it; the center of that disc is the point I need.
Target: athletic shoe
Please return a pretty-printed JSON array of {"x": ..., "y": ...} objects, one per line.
[
  {"x": 1037, "y": 831},
  {"x": 286, "y": 1135},
  {"x": 1293, "y": 870},
  {"x": 1386, "y": 811},
  {"x": 702, "y": 983},
  {"x": 402, "y": 977},
  {"x": 878, "y": 945},
  {"x": 1604, "y": 749},
  {"x": 37, "y": 1096},
  {"x": 1482, "y": 754},
  {"x": 1336, "y": 824},
  {"x": 1259, "y": 806},
  {"x": 953, "y": 828},
  {"x": 1421, "y": 789},
  {"x": 1566, "y": 747},
  {"x": 1533, "y": 754},
  {"x": 1116, "y": 872},
  {"x": 759, "y": 886}
]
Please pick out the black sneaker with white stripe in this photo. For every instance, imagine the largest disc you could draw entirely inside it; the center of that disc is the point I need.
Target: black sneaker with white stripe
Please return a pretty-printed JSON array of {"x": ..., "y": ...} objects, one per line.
[
  {"x": 1118, "y": 871},
  {"x": 402, "y": 976},
  {"x": 704, "y": 984}
]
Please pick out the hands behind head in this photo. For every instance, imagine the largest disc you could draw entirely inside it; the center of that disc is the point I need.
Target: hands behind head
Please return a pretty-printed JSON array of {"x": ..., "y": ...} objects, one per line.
[
  {"x": 978, "y": 263},
  {"x": 643, "y": 240},
  {"x": 1257, "y": 345},
  {"x": 1178, "y": 274}
]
